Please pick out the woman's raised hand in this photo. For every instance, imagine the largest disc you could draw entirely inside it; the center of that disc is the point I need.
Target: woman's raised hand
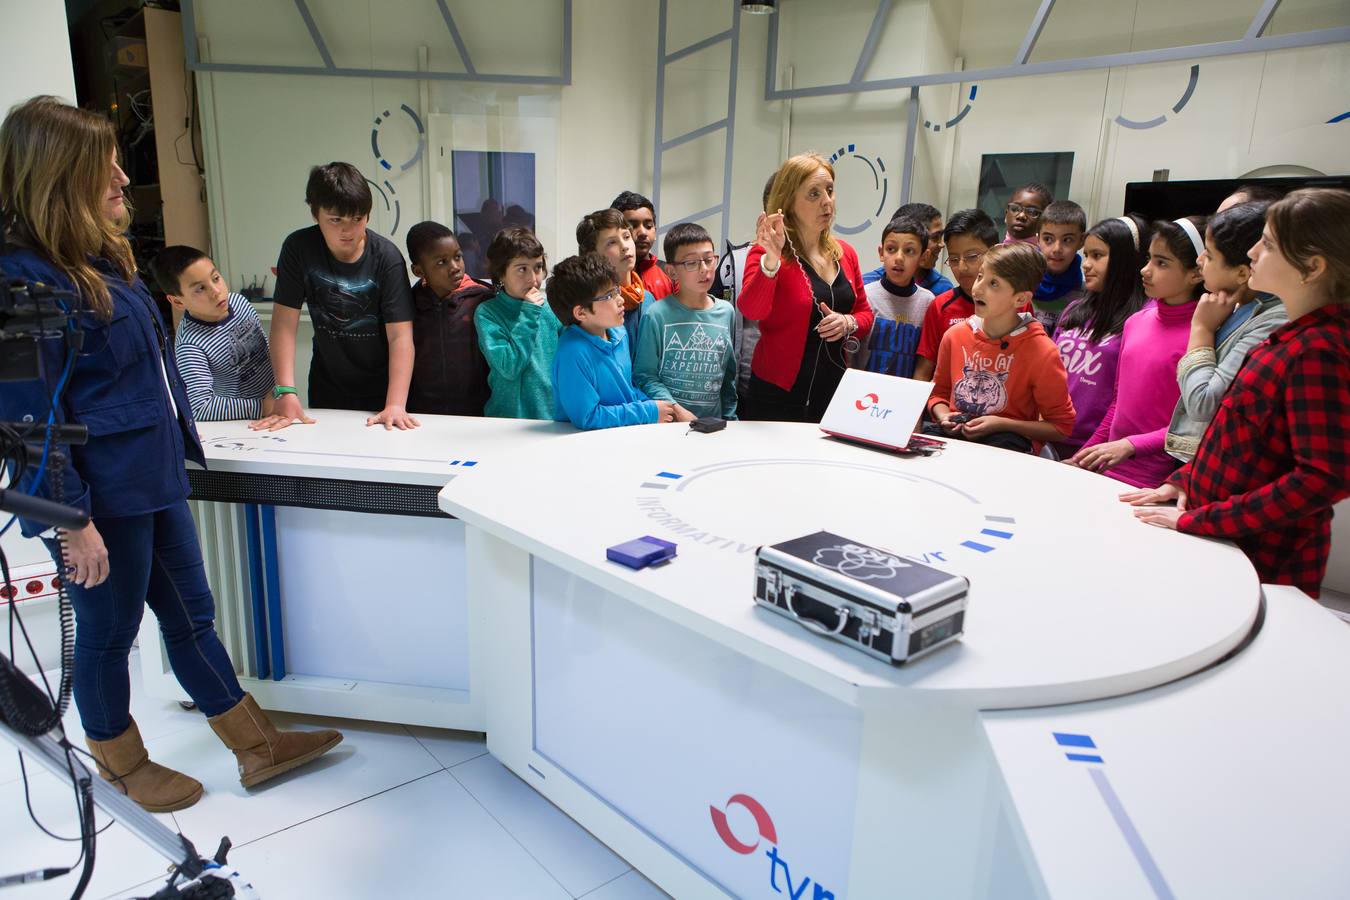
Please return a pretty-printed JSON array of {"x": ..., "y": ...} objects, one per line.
[{"x": 771, "y": 234}]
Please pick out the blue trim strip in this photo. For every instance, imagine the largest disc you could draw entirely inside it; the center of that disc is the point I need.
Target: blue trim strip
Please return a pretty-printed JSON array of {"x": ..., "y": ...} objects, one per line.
[
  {"x": 256, "y": 592},
  {"x": 668, "y": 475},
  {"x": 974, "y": 545},
  {"x": 1073, "y": 740},
  {"x": 1083, "y": 757},
  {"x": 273, "y": 573},
  {"x": 1132, "y": 837},
  {"x": 1006, "y": 535}
]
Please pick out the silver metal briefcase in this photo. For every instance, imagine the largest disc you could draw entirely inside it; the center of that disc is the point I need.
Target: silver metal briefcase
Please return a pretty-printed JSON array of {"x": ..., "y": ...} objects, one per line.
[{"x": 884, "y": 605}]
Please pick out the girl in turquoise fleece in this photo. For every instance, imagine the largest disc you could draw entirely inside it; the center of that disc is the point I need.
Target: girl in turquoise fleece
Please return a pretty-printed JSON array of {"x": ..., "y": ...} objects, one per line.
[{"x": 517, "y": 331}]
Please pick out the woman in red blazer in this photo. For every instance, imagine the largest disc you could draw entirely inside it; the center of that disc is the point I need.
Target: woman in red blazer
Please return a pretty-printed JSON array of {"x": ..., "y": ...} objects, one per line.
[{"x": 805, "y": 289}]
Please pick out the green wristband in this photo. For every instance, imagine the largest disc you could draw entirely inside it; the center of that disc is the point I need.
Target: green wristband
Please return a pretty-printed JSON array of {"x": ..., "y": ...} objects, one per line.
[{"x": 281, "y": 389}]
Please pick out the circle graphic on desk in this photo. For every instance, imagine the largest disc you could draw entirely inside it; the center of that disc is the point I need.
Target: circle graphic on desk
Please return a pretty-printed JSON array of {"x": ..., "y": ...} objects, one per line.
[
  {"x": 926, "y": 519},
  {"x": 252, "y": 442}
]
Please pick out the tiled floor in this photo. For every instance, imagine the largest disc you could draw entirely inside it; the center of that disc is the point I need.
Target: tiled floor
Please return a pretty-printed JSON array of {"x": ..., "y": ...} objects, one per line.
[{"x": 393, "y": 812}]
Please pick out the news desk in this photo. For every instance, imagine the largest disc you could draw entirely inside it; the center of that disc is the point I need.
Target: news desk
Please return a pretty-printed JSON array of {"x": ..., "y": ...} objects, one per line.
[{"x": 1128, "y": 714}]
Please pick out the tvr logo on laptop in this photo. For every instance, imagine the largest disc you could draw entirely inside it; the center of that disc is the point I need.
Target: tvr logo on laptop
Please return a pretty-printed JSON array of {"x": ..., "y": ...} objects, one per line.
[
  {"x": 868, "y": 403},
  {"x": 766, "y": 833}
]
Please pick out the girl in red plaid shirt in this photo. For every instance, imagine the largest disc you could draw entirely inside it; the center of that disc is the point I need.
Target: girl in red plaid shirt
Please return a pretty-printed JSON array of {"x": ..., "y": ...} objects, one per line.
[{"x": 1276, "y": 458}]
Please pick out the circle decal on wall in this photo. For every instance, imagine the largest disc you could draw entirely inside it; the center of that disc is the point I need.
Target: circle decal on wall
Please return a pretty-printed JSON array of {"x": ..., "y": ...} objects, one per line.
[
  {"x": 952, "y": 122},
  {"x": 417, "y": 151},
  {"x": 396, "y": 207},
  {"x": 1154, "y": 123},
  {"x": 880, "y": 184}
]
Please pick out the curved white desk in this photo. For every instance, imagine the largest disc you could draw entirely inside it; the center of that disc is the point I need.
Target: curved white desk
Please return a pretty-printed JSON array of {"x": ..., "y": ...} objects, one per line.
[
  {"x": 644, "y": 702},
  {"x": 722, "y": 749},
  {"x": 339, "y": 585}
]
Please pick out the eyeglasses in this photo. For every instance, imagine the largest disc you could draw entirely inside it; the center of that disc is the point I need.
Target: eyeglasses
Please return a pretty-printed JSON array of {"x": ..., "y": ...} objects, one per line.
[
  {"x": 1033, "y": 212},
  {"x": 970, "y": 260},
  {"x": 693, "y": 265},
  {"x": 609, "y": 296}
]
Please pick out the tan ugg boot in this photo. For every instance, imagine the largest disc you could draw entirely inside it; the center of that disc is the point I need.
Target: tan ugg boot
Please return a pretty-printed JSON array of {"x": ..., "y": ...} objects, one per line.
[
  {"x": 262, "y": 751},
  {"x": 124, "y": 762}
]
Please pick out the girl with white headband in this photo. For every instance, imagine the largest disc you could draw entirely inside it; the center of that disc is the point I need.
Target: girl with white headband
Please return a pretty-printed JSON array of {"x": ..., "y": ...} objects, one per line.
[
  {"x": 1088, "y": 333},
  {"x": 1276, "y": 458},
  {"x": 1128, "y": 444}
]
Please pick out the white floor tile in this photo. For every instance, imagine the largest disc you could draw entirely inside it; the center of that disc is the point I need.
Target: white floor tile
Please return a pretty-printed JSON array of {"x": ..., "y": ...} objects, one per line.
[
  {"x": 564, "y": 848},
  {"x": 373, "y": 757},
  {"x": 120, "y": 859},
  {"x": 154, "y": 718},
  {"x": 450, "y": 748},
  {"x": 631, "y": 886},
  {"x": 424, "y": 839}
]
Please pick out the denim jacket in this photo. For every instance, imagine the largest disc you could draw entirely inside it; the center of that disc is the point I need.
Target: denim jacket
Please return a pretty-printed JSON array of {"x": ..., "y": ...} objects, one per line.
[{"x": 133, "y": 461}]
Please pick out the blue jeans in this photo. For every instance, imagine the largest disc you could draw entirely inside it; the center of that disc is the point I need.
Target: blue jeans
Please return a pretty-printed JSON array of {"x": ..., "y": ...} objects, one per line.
[{"x": 153, "y": 559}]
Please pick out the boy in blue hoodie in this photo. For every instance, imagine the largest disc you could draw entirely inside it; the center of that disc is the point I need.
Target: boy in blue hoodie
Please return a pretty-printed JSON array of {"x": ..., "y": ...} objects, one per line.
[
  {"x": 1062, "y": 230},
  {"x": 592, "y": 369}
]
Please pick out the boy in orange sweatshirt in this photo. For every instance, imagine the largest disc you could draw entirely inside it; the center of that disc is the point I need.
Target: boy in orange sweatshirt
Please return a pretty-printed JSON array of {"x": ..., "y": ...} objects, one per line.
[{"x": 999, "y": 379}]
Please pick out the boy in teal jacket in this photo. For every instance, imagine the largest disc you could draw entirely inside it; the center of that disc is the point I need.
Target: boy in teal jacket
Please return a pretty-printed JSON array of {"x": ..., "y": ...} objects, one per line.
[
  {"x": 517, "y": 331},
  {"x": 592, "y": 370}
]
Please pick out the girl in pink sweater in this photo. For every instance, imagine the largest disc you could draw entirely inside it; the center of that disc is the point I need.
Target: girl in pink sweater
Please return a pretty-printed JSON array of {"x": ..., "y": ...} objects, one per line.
[{"x": 1128, "y": 444}]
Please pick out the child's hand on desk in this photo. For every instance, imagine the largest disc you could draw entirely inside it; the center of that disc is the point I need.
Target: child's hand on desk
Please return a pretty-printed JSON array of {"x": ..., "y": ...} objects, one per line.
[
  {"x": 1162, "y": 516},
  {"x": 1100, "y": 457},
  {"x": 1156, "y": 496},
  {"x": 683, "y": 415},
  {"x": 665, "y": 411},
  {"x": 282, "y": 413},
  {"x": 393, "y": 417}
]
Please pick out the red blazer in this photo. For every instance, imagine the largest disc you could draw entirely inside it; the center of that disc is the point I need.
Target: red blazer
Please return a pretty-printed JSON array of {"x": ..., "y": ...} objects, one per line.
[{"x": 782, "y": 305}]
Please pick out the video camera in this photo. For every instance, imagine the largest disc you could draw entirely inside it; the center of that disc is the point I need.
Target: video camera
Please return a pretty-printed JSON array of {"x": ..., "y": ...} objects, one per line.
[{"x": 31, "y": 312}]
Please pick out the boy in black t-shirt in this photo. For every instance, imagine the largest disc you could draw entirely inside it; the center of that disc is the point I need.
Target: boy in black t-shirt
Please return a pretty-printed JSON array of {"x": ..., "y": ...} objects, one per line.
[{"x": 356, "y": 286}]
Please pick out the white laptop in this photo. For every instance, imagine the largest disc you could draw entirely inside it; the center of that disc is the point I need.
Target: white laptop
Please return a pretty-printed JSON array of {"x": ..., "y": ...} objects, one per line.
[{"x": 877, "y": 409}]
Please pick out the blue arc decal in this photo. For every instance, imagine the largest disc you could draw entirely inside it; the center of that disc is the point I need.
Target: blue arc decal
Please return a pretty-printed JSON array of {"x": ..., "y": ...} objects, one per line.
[
  {"x": 375, "y": 140},
  {"x": 956, "y": 119},
  {"x": 1138, "y": 125},
  {"x": 880, "y": 182}
]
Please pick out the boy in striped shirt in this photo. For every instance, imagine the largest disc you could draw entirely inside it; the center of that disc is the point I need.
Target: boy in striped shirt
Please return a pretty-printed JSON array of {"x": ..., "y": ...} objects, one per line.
[{"x": 221, "y": 348}]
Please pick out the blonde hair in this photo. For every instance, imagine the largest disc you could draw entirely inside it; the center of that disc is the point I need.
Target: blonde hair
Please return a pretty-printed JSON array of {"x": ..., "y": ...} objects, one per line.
[
  {"x": 1019, "y": 264},
  {"x": 54, "y": 177},
  {"x": 791, "y": 176}
]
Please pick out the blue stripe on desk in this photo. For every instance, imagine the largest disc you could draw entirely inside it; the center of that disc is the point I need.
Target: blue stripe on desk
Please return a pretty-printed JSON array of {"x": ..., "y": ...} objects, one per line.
[
  {"x": 974, "y": 545},
  {"x": 257, "y": 591},
  {"x": 1083, "y": 757},
  {"x": 1073, "y": 740},
  {"x": 998, "y": 534},
  {"x": 668, "y": 475}
]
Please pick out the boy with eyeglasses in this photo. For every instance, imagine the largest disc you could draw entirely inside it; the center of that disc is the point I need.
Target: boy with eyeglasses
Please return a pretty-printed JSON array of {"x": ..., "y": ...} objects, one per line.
[
  {"x": 968, "y": 236},
  {"x": 1022, "y": 215},
  {"x": 929, "y": 276},
  {"x": 686, "y": 345},
  {"x": 592, "y": 372}
]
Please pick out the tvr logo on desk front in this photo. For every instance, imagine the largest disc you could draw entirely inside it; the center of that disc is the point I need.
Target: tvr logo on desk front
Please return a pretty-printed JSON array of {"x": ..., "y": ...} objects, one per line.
[{"x": 767, "y": 834}]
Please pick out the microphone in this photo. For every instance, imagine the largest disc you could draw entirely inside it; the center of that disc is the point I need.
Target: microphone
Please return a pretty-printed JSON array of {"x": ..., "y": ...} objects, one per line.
[{"x": 44, "y": 511}]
